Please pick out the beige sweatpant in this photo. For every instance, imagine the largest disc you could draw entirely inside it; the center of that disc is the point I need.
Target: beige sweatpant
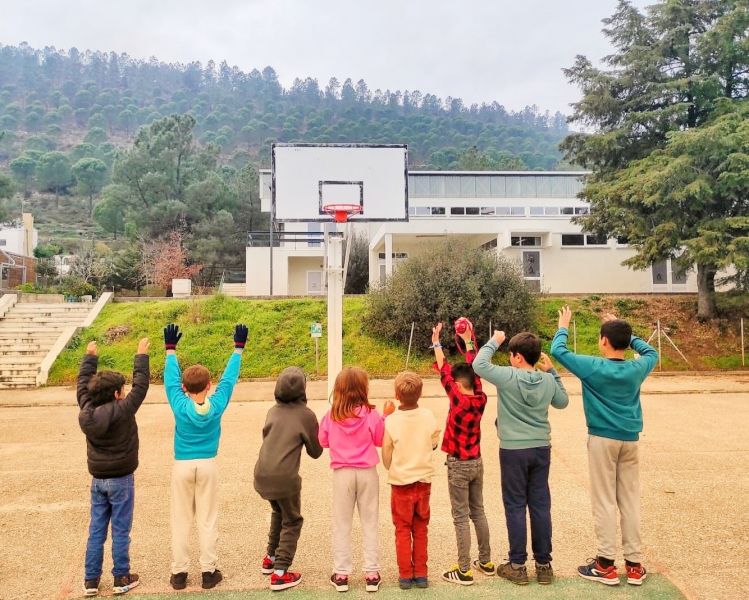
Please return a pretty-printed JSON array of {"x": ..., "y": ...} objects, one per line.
[
  {"x": 194, "y": 498},
  {"x": 615, "y": 483},
  {"x": 360, "y": 488}
]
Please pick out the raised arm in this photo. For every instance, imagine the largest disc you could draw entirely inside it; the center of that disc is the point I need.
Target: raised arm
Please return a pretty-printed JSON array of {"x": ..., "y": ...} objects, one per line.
[
  {"x": 581, "y": 366},
  {"x": 560, "y": 398},
  {"x": 89, "y": 365},
  {"x": 172, "y": 373},
  {"x": 141, "y": 378},
  {"x": 482, "y": 364},
  {"x": 225, "y": 387},
  {"x": 439, "y": 355},
  {"x": 648, "y": 354}
]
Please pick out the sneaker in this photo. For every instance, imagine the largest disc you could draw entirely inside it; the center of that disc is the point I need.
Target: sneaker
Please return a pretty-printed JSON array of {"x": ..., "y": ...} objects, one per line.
[
  {"x": 178, "y": 581},
  {"x": 91, "y": 586},
  {"x": 518, "y": 575},
  {"x": 635, "y": 575},
  {"x": 285, "y": 581},
  {"x": 267, "y": 568},
  {"x": 421, "y": 582},
  {"x": 595, "y": 572},
  {"x": 455, "y": 575},
  {"x": 373, "y": 583},
  {"x": 124, "y": 583},
  {"x": 405, "y": 583},
  {"x": 544, "y": 574},
  {"x": 211, "y": 580},
  {"x": 486, "y": 568},
  {"x": 339, "y": 582}
]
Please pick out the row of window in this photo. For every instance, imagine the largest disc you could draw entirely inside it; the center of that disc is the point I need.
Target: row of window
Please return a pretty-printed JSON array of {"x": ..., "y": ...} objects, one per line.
[
  {"x": 499, "y": 211},
  {"x": 568, "y": 239},
  {"x": 493, "y": 186}
]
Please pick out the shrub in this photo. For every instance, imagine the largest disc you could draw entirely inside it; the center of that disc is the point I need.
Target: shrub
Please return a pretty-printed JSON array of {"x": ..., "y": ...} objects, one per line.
[
  {"x": 449, "y": 280},
  {"x": 76, "y": 286}
]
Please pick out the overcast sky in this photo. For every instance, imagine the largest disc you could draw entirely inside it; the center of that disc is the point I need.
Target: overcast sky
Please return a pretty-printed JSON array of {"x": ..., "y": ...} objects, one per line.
[{"x": 509, "y": 51}]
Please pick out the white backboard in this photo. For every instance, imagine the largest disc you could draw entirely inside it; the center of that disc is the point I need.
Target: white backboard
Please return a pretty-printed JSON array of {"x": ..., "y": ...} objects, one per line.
[{"x": 305, "y": 177}]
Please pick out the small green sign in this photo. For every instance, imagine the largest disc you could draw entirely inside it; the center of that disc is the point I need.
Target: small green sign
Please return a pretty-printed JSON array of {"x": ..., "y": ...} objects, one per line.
[{"x": 315, "y": 330}]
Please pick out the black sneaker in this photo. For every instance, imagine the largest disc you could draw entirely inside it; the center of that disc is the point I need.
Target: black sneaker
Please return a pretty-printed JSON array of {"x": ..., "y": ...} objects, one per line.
[
  {"x": 518, "y": 575},
  {"x": 211, "y": 580},
  {"x": 486, "y": 568},
  {"x": 178, "y": 581},
  {"x": 455, "y": 575},
  {"x": 544, "y": 573},
  {"x": 339, "y": 582},
  {"x": 372, "y": 584},
  {"x": 421, "y": 582},
  {"x": 405, "y": 583},
  {"x": 124, "y": 583},
  {"x": 91, "y": 587}
]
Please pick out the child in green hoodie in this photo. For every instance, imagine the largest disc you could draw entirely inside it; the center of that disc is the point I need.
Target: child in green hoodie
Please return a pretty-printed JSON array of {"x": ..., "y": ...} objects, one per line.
[
  {"x": 523, "y": 398},
  {"x": 611, "y": 399}
]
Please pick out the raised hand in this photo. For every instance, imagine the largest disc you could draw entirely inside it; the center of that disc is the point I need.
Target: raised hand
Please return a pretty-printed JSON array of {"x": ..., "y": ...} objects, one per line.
[
  {"x": 565, "y": 316},
  {"x": 143, "y": 346},
  {"x": 544, "y": 363},
  {"x": 172, "y": 336},
  {"x": 240, "y": 336},
  {"x": 388, "y": 408},
  {"x": 499, "y": 337},
  {"x": 91, "y": 348},
  {"x": 436, "y": 330}
]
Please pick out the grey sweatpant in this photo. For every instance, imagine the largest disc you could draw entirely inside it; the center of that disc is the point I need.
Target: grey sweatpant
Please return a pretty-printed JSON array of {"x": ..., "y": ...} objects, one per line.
[{"x": 465, "y": 482}]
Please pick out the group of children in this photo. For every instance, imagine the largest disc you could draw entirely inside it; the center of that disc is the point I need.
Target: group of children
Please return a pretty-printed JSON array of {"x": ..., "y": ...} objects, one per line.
[{"x": 352, "y": 430}]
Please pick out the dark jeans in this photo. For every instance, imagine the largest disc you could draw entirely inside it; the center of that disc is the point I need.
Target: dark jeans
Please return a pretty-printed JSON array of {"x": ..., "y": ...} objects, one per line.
[
  {"x": 111, "y": 499},
  {"x": 525, "y": 482},
  {"x": 465, "y": 484},
  {"x": 285, "y": 527},
  {"x": 409, "y": 505}
]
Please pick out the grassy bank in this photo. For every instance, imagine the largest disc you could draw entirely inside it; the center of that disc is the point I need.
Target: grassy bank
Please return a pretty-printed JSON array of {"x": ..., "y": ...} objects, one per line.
[{"x": 279, "y": 334}]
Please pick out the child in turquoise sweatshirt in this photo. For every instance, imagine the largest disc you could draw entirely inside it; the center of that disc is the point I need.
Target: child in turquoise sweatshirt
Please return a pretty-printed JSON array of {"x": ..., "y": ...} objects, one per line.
[
  {"x": 524, "y": 395},
  {"x": 613, "y": 413},
  {"x": 197, "y": 430}
]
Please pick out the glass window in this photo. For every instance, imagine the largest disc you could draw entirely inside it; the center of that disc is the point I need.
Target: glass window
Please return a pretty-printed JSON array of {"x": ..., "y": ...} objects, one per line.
[
  {"x": 490, "y": 244},
  {"x": 568, "y": 210},
  {"x": 678, "y": 274},
  {"x": 437, "y": 186},
  {"x": 660, "y": 273},
  {"x": 452, "y": 186},
  {"x": 314, "y": 228},
  {"x": 423, "y": 211},
  {"x": 543, "y": 185},
  {"x": 519, "y": 240},
  {"x": 483, "y": 188},
  {"x": 573, "y": 239},
  {"x": 581, "y": 210},
  {"x": 487, "y": 210},
  {"x": 622, "y": 240},
  {"x": 497, "y": 186},
  {"x": 551, "y": 210},
  {"x": 468, "y": 186},
  {"x": 472, "y": 210},
  {"x": 512, "y": 187},
  {"x": 457, "y": 210},
  {"x": 438, "y": 210},
  {"x": 527, "y": 187},
  {"x": 503, "y": 210},
  {"x": 412, "y": 210},
  {"x": 596, "y": 240},
  {"x": 537, "y": 211},
  {"x": 517, "y": 211}
]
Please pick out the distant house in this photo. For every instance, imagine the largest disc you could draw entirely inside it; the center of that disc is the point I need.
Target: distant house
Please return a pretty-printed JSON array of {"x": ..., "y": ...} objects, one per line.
[{"x": 17, "y": 243}]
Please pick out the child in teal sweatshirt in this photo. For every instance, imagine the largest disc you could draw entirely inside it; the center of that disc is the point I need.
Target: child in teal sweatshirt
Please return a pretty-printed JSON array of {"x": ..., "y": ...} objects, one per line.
[
  {"x": 613, "y": 413},
  {"x": 197, "y": 430},
  {"x": 524, "y": 395}
]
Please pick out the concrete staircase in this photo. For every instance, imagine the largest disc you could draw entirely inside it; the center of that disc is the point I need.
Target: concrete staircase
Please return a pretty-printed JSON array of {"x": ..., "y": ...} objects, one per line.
[{"x": 28, "y": 331}]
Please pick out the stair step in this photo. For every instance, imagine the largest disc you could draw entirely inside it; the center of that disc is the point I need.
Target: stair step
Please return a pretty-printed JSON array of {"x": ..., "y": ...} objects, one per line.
[
  {"x": 6, "y": 360},
  {"x": 19, "y": 372}
]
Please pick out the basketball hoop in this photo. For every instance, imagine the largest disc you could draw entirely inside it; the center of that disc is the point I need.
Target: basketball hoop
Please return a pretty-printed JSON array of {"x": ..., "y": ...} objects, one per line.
[{"x": 342, "y": 212}]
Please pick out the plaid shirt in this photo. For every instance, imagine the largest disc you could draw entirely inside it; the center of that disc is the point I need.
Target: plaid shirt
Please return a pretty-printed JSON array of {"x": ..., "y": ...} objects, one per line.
[{"x": 462, "y": 438}]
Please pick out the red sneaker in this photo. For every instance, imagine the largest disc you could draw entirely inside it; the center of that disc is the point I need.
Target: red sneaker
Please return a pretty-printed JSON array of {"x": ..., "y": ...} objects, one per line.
[
  {"x": 595, "y": 572},
  {"x": 285, "y": 581},
  {"x": 635, "y": 575},
  {"x": 267, "y": 568}
]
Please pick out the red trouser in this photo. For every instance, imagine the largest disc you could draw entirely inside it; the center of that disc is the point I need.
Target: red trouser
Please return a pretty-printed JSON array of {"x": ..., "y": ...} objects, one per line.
[{"x": 410, "y": 507}]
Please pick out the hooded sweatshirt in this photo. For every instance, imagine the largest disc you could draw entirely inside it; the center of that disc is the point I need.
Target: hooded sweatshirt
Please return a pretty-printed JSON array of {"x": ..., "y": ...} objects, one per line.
[
  {"x": 289, "y": 426},
  {"x": 197, "y": 429},
  {"x": 523, "y": 399},
  {"x": 353, "y": 442}
]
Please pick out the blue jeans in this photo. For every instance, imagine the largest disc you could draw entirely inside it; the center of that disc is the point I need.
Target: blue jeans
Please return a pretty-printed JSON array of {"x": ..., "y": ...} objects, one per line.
[
  {"x": 111, "y": 499},
  {"x": 525, "y": 482}
]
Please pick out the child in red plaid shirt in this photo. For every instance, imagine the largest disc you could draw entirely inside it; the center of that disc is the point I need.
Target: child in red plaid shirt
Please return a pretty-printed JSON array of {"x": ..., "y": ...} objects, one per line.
[{"x": 465, "y": 470}]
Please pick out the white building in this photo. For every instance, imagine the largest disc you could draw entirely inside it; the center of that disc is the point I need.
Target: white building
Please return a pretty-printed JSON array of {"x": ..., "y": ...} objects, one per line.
[
  {"x": 20, "y": 238},
  {"x": 523, "y": 215}
]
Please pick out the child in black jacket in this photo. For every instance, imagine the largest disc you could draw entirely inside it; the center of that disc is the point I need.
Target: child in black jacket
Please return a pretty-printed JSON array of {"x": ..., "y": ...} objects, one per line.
[{"x": 107, "y": 417}]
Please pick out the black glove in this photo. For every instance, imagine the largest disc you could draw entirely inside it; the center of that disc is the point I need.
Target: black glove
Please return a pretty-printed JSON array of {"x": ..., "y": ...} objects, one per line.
[
  {"x": 240, "y": 336},
  {"x": 172, "y": 335}
]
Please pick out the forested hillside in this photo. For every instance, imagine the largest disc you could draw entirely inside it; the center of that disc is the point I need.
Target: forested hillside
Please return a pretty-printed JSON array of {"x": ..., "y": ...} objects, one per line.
[{"x": 123, "y": 161}]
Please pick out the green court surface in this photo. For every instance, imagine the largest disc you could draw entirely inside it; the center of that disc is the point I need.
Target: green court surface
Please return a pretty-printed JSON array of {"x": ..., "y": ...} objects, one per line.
[{"x": 657, "y": 587}]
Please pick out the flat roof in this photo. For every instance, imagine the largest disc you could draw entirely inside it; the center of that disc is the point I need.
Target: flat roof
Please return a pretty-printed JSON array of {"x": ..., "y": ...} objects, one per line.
[{"x": 519, "y": 173}]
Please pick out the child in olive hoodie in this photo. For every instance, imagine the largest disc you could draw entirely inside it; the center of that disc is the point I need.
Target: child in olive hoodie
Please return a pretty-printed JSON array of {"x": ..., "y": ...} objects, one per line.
[
  {"x": 524, "y": 395},
  {"x": 289, "y": 425}
]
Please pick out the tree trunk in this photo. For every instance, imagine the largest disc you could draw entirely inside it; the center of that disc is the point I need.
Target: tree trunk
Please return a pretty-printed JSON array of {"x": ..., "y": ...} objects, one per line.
[
  {"x": 90, "y": 205},
  {"x": 706, "y": 307}
]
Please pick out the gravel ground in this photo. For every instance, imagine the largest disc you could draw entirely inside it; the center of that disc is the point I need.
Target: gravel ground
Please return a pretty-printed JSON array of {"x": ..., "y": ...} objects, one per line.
[{"x": 694, "y": 455}]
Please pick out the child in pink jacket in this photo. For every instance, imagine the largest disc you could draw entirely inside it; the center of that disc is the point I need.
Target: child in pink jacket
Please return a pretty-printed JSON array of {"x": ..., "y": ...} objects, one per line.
[{"x": 353, "y": 429}]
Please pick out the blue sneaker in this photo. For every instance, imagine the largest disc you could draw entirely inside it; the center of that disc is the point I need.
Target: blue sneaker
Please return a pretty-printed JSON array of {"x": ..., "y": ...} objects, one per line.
[
  {"x": 421, "y": 582},
  {"x": 405, "y": 583},
  {"x": 595, "y": 572}
]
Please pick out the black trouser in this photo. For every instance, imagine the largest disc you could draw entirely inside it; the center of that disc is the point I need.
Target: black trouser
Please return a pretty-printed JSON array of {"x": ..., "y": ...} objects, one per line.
[
  {"x": 285, "y": 526},
  {"x": 525, "y": 482}
]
